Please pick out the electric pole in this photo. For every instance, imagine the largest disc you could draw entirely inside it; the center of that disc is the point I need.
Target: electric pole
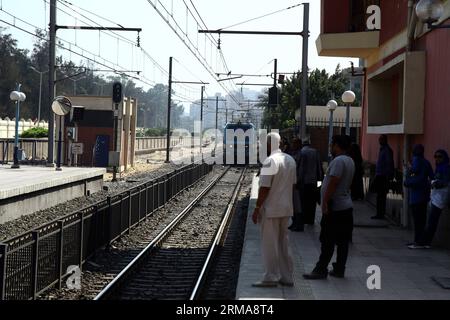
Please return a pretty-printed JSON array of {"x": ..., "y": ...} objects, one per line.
[
  {"x": 51, "y": 84},
  {"x": 275, "y": 72},
  {"x": 201, "y": 122},
  {"x": 304, "y": 91},
  {"x": 305, "y": 35},
  {"x": 169, "y": 110},
  {"x": 217, "y": 122}
]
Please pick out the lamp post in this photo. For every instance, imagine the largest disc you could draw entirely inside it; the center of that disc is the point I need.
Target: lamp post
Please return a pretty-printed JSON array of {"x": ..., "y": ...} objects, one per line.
[
  {"x": 41, "y": 74},
  {"x": 61, "y": 106},
  {"x": 348, "y": 98},
  {"x": 430, "y": 12},
  {"x": 331, "y": 106},
  {"x": 18, "y": 97}
]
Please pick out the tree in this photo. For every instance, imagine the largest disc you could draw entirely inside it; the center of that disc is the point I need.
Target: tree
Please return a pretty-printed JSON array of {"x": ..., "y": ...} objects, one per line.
[
  {"x": 15, "y": 67},
  {"x": 321, "y": 88}
]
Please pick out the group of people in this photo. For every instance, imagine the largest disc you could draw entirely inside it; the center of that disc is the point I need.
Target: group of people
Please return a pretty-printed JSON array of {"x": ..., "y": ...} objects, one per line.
[
  {"x": 283, "y": 176},
  {"x": 289, "y": 189},
  {"x": 426, "y": 189}
]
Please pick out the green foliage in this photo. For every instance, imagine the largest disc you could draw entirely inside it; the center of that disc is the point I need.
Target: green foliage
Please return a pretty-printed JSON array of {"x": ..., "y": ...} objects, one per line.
[
  {"x": 35, "y": 133},
  {"x": 321, "y": 88},
  {"x": 155, "y": 132},
  {"x": 15, "y": 67},
  {"x": 152, "y": 132}
]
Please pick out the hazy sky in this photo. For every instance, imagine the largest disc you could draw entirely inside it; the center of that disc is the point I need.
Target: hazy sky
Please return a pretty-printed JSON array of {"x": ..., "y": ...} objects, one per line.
[{"x": 243, "y": 53}]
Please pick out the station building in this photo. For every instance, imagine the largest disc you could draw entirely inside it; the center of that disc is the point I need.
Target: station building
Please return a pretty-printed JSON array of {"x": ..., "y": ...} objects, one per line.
[{"x": 406, "y": 81}]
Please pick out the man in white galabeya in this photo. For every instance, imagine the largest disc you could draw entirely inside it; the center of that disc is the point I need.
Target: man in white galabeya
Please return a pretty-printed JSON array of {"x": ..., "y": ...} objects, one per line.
[{"x": 273, "y": 211}]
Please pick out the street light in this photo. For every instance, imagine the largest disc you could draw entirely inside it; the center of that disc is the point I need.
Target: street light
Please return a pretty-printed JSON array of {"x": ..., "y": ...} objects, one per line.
[
  {"x": 348, "y": 98},
  {"x": 61, "y": 106},
  {"x": 17, "y": 97},
  {"x": 429, "y": 12},
  {"x": 41, "y": 73},
  {"x": 331, "y": 106}
]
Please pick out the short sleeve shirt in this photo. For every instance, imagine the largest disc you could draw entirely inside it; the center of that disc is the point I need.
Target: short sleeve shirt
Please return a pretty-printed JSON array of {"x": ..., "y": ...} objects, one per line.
[
  {"x": 344, "y": 168},
  {"x": 279, "y": 173}
]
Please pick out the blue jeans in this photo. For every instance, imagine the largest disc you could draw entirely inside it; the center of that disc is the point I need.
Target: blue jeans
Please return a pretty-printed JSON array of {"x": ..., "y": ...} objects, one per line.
[{"x": 432, "y": 224}]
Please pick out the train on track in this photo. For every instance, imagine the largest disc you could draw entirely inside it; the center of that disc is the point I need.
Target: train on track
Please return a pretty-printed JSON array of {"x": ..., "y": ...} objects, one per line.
[{"x": 240, "y": 144}]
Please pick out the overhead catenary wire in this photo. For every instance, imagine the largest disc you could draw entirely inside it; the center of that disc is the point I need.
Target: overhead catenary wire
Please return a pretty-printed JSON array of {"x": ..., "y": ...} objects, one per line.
[
  {"x": 110, "y": 33},
  {"x": 187, "y": 42},
  {"x": 261, "y": 17},
  {"x": 121, "y": 71},
  {"x": 119, "y": 37}
]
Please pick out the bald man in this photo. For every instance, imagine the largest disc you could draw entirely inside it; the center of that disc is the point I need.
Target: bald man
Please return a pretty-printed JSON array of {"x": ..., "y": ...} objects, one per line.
[{"x": 273, "y": 211}]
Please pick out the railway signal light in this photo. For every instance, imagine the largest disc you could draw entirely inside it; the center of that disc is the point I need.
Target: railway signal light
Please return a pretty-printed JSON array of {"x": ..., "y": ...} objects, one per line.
[
  {"x": 273, "y": 97},
  {"x": 117, "y": 92}
]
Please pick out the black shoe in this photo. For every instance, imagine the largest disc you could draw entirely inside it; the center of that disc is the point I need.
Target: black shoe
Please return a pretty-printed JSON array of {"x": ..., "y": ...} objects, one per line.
[
  {"x": 378, "y": 217},
  {"x": 336, "y": 274},
  {"x": 298, "y": 229},
  {"x": 316, "y": 275}
]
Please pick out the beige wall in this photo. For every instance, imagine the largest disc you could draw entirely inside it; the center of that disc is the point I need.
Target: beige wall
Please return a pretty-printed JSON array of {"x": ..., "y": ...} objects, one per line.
[{"x": 8, "y": 127}]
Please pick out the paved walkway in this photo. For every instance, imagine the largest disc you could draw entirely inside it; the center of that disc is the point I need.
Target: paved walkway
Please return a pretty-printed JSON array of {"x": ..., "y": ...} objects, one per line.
[{"x": 405, "y": 274}]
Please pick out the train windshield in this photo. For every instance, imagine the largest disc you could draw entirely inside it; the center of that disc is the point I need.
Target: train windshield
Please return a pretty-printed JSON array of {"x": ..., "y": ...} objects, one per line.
[
  {"x": 245, "y": 127},
  {"x": 236, "y": 126}
]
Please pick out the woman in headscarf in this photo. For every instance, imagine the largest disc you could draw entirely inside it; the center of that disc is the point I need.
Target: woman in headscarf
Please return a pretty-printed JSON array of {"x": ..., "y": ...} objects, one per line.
[
  {"x": 439, "y": 197},
  {"x": 418, "y": 182},
  {"x": 358, "y": 184}
]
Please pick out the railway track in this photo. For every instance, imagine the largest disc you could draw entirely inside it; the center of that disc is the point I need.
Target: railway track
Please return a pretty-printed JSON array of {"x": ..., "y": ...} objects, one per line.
[{"x": 175, "y": 265}]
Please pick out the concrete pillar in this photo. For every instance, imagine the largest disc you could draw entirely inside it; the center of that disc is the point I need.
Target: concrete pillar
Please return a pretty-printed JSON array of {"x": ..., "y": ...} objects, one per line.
[
  {"x": 126, "y": 133},
  {"x": 133, "y": 126}
]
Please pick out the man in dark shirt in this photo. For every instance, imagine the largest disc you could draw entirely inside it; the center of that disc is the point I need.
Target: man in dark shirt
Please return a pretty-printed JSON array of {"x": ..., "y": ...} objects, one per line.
[{"x": 384, "y": 173}]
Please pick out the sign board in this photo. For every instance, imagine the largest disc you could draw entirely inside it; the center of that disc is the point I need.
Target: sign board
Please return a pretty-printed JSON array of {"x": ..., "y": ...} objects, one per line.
[{"x": 77, "y": 148}]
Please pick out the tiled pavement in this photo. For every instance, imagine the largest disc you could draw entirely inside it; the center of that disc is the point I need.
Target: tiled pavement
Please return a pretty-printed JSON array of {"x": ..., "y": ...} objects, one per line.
[{"x": 405, "y": 274}]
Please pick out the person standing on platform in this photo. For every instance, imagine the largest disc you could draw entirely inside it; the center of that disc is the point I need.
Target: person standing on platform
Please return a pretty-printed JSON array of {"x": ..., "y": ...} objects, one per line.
[
  {"x": 418, "y": 182},
  {"x": 358, "y": 184},
  {"x": 337, "y": 211},
  {"x": 384, "y": 174},
  {"x": 439, "y": 198},
  {"x": 274, "y": 208},
  {"x": 297, "y": 225},
  {"x": 309, "y": 173}
]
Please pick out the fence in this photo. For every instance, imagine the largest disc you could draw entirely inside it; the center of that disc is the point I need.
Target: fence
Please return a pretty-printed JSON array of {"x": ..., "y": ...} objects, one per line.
[
  {"x": 38, "y": 260},
  {"x": 318, "y": 130},
  {"x": 156, "y": 143},
  {"x": 36, "y": 150}
]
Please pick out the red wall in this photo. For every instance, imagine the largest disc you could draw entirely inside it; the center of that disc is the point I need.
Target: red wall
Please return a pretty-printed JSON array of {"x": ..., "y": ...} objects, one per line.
[
  {"x": 437, "y": 102},
  {"x": 88, "y": 136},
  {"x": 335, "y": 16},
  {"x": 394, "y": 16}
]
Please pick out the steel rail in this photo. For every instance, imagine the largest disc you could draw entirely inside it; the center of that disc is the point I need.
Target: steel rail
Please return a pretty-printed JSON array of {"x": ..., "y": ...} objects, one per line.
[
  {"x": 219, "y": 236},
  {"x": 113, "y": 285}
]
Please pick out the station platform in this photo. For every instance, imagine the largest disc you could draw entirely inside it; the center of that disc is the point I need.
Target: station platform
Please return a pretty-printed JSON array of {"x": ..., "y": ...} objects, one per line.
[
  {"x": 405, "y": 274},
  {"x": 29, "y": 189}
]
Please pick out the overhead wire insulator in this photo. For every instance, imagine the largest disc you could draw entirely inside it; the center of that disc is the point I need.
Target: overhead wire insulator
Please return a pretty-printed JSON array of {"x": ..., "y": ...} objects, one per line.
[{"x": 139, "y": 40}]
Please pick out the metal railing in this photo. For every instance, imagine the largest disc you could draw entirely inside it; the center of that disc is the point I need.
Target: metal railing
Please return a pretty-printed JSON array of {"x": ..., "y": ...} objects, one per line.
[
  {"x": 158, "y": 143},
  {"x": 35, "y": 149},
  {"x": 38, "y": 260}
]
